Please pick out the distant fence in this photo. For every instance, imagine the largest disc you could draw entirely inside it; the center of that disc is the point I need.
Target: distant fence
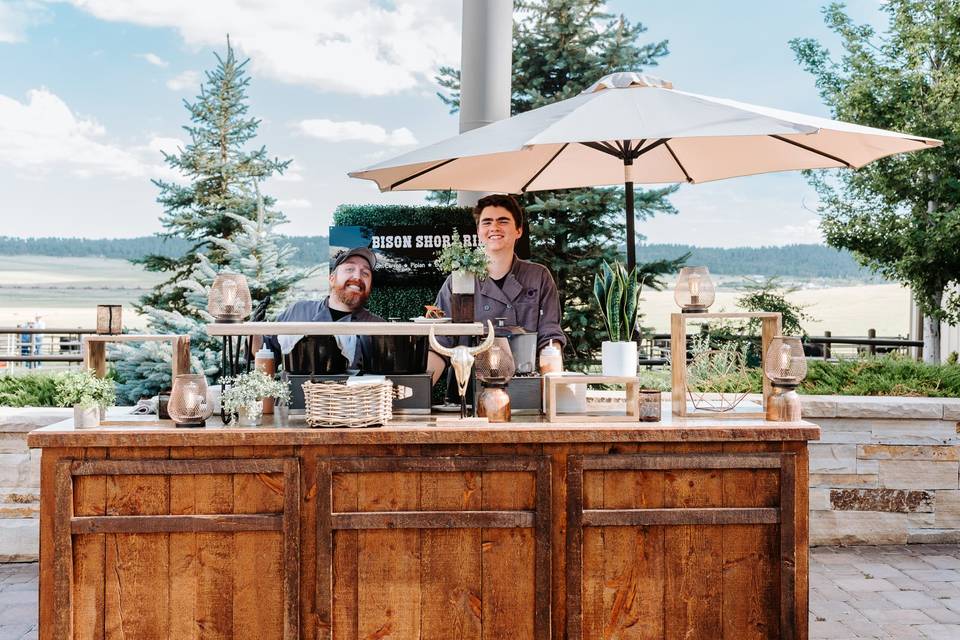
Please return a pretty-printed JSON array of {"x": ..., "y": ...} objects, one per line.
[{"x": 29, "y": 347}]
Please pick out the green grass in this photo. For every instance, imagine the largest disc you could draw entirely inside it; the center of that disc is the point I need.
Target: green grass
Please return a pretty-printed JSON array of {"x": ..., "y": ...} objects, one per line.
[{"x": 884, "y": 376}]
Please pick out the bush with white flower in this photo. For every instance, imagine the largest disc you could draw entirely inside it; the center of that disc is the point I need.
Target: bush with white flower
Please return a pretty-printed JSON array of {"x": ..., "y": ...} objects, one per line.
[
  {"x": 84, "y": 389},
  {"x": 457, "y": 256},
  {"x": 246, "y": 392}
]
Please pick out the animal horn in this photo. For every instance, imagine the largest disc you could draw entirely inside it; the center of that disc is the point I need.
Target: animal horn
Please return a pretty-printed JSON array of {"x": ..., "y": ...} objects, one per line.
[
  {"x": 487, "y": 342},
  {"x": 436, "y": 346}
]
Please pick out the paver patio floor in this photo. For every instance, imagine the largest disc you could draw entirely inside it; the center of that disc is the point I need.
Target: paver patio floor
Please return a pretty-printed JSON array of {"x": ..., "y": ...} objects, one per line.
[{"x": 855, "y": 592}]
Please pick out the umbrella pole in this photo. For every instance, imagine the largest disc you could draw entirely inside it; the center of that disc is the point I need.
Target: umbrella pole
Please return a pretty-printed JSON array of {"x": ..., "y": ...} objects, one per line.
[{"x": 631, "y": 233}]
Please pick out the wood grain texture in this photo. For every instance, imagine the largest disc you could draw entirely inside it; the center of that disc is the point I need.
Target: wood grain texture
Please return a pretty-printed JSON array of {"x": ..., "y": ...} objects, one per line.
[
  {"x": 345, "y": 329},
  {"x": 90, "y": 499}
]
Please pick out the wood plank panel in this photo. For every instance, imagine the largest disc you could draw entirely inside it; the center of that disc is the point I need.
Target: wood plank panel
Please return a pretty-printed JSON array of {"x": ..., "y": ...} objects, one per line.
[
  {"x": 633, "y": 562},
  {"x": 258, "y": 574},
  {"x": 90, "y": 499},
  {"x": 450, "y": 560},
  {"x": 137, "y": 565},
  {"x": 508, "y": 595},
  {"x": 388, "y": 572},
  {"x": 346, "y": 559},
  {"x": 693, "y": 554},
  {"x": 801, "y": 510},
  {"x": 751, "y": 607}
]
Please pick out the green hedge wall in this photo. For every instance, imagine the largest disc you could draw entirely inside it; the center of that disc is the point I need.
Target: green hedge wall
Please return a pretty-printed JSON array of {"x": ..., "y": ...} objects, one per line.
[{"x": 403, "y": 301}]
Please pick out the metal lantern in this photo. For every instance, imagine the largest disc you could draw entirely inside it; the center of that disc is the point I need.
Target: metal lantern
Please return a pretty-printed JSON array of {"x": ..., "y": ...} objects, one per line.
[
  {"x": 694, "y": 291},
  {"x": 188, "y": 405},
  {"x": 495, "y": 367},
  {"x": 109, "y": 319},
  {"x": 229, "y": 299},
  {"x": 786, "y": 366}
]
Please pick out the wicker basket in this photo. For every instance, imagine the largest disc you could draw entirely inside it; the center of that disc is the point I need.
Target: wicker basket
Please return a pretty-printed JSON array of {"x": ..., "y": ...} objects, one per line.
[{"x": 334, "y": 404}]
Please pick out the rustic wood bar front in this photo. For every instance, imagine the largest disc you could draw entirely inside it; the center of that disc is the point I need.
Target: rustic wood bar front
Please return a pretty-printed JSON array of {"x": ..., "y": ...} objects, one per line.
[{"x": 690, "y": 528}]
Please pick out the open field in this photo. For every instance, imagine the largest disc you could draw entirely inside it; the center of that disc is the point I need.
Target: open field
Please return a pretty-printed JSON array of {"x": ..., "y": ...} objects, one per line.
[{"x": 66, "y": 290}]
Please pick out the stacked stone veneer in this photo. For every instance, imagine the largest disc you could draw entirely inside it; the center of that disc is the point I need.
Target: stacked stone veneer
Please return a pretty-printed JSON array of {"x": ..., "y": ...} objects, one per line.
[
  {"x": 20, "y": 481},
  {"x": 885, "y": 471}
]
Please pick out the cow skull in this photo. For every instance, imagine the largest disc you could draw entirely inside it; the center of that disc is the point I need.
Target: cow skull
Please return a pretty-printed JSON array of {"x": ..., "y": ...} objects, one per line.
[{"x": 462, "y": 357}]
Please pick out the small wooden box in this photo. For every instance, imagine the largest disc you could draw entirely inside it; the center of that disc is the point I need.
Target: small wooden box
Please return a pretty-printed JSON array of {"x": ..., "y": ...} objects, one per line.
[
  {"x": 632, "y": 385},
  {"x": 769, "y": 327}
]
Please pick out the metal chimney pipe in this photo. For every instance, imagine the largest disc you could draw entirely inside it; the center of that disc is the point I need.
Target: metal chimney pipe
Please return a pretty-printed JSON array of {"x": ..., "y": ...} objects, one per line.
[{"x": 485, "y": 68}]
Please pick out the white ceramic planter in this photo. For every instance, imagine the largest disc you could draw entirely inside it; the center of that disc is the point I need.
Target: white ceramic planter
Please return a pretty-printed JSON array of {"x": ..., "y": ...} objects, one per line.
[
  {"x": 86, "y": 417},
  {"x": 618, "y": 358},
  {"x": 462, "y": 282}
]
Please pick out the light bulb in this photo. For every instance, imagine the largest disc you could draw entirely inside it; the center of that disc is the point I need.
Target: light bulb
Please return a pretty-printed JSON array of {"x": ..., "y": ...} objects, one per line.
[
  {"x": 694, "y": 288},
  {"x": 229, "y": 295},
  {"x": 192, "y": 399},
  {"x": 784, "y": 360},
  {"x": 495, "y": 360}
]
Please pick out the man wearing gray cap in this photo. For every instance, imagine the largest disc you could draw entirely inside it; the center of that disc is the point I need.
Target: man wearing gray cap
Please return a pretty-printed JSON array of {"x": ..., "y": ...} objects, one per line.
[{"x": 351, "y": 279}]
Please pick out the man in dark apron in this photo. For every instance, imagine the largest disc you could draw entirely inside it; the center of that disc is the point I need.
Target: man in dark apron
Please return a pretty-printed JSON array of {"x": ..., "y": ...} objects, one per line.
[{"x": 351, "y": 280}]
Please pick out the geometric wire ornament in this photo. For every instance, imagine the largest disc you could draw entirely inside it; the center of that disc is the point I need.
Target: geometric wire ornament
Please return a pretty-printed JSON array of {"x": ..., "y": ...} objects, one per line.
[{"x": 717, "y": 380}]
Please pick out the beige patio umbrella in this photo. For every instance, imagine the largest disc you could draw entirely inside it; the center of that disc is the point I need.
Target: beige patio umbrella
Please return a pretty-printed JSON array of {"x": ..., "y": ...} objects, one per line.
[{"x": 630, "y": 127}]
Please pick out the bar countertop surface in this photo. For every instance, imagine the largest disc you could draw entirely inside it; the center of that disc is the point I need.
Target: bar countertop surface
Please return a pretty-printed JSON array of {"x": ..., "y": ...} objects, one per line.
[{"x": 148, "y": 431}]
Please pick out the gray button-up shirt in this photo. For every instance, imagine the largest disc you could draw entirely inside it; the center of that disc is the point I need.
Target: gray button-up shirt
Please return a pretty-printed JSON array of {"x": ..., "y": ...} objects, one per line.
[
  {"x": 528, "y": 298},
  {"x": 319, "y": 311}
]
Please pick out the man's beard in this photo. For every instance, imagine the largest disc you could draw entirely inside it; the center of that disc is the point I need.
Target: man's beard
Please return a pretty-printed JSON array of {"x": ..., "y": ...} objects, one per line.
[{"x": 349, "y": 297}]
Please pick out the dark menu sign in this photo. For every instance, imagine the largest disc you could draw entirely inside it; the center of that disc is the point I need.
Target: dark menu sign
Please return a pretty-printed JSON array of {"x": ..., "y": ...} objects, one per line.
[{"x": 405, "y": 254}]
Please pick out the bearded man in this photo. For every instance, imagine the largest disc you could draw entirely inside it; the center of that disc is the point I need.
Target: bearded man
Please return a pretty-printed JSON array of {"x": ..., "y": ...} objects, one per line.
[{"x": 351, "y": 279}]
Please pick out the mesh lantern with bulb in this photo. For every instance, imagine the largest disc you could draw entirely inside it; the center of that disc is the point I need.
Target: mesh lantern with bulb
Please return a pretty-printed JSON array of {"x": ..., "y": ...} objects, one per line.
[
  {"x": 494, "y": 368},
  {"x": 229, "y": 300},
  {"x": 694, "y": 291},
  {"x": 785, "y": 365},
  {"x": 188, "y": 405}
]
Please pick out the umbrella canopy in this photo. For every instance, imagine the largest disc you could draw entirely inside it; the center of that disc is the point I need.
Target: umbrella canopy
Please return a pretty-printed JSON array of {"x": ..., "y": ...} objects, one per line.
[{"x": 629, "y": 127}]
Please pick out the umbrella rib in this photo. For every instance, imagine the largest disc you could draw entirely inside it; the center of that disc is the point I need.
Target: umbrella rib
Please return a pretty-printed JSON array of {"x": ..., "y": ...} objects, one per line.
[
  {"x": 679, "y": 164},
  {"x": 420, "y": 173},
  {"x": 603, "y": 149},
  {"x": 523, "y": 189},
  {"x": 651, "y": 147},
  {"x": 812, "y": 150}
]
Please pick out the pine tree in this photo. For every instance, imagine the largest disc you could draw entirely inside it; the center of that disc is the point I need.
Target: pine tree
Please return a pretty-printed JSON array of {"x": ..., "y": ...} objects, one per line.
[
  {"x": 560, "y": 47},
  {"x": 221, "y": 172},
  {"x": 231, "y": 226}
]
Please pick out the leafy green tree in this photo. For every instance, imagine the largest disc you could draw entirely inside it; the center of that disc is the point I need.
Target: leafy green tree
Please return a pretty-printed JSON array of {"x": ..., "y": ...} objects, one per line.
[
  {"x": 560, "y": 47},
  {"x": 770, "y": 296},
  {"x": 901, "y": 215},
  {"x": 221, "y": 171}
]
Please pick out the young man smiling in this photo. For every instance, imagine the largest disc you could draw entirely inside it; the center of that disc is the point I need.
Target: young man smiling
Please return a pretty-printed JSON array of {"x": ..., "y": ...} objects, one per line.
[{"x": 519, "y": 290}]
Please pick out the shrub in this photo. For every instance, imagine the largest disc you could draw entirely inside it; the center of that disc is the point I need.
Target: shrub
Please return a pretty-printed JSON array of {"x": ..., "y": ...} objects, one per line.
[{"x": 29, "y": 390}]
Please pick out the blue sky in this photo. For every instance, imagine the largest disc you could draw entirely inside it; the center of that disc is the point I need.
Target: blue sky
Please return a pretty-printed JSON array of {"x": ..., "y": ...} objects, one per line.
[{"x": 91, "y": 90}]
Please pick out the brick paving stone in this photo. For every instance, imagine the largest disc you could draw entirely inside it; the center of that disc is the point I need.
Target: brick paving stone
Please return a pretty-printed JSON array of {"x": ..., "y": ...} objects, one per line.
[
  {"x": 943, "y": 615},
  {"x": 943, "y": 562},
  {"x": 933, "y": 575},
  {"x": 911, "y": 600},
  {"x": 864, "y": 584}
]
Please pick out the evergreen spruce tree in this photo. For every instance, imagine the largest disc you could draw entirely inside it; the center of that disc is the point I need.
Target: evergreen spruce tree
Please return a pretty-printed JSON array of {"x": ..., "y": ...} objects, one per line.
[
  {"x": 232, "y": 228},
  {"x": 560, "y": 47},
  {"x": 221, "y": 171}
]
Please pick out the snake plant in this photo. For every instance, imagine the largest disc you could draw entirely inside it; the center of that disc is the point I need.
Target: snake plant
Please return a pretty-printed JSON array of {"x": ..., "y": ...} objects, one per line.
[{"x": 617, "y": 291}]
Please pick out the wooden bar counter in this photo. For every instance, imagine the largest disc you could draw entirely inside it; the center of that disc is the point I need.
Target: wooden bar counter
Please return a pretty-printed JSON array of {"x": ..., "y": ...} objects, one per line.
[{"x": 690, "y": 528}]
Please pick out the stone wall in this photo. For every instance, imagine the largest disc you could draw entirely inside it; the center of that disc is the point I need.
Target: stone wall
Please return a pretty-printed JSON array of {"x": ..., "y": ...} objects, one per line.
[
  {"x": 885, "y": 471},
  {"x": 20, "y": 481}
]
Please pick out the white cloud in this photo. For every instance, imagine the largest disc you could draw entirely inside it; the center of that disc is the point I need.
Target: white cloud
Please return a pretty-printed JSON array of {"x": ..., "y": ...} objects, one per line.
[
  {"x": 43, "y": 133},
  {"x": 356, "y": 131},
  {"x": 154, "y": 59},
  {"x": 185, "y": 80},
  {"x": 294, "y": 203},
  {"x": 351, "y": 46},
  {"x": 161, "y": 144},
  {"x": 16, "y": 16}
]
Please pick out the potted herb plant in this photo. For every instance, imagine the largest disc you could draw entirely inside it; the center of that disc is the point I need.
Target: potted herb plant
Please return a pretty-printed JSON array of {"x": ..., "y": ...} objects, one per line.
[
  {"x": 617, "y": 291},
  {"x": 87, "y": 394},
  {"x": 244, "y": 396},
  {"x": 463, "y": 262}
]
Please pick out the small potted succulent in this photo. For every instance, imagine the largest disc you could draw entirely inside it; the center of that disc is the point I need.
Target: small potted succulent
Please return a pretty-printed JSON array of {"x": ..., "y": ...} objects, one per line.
[
  {"x": 617, "y": 291},
  {"x": 87, "y": 394},
  {"x": 463, "y": 262},
  {"x": 244, "y": 394}
]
